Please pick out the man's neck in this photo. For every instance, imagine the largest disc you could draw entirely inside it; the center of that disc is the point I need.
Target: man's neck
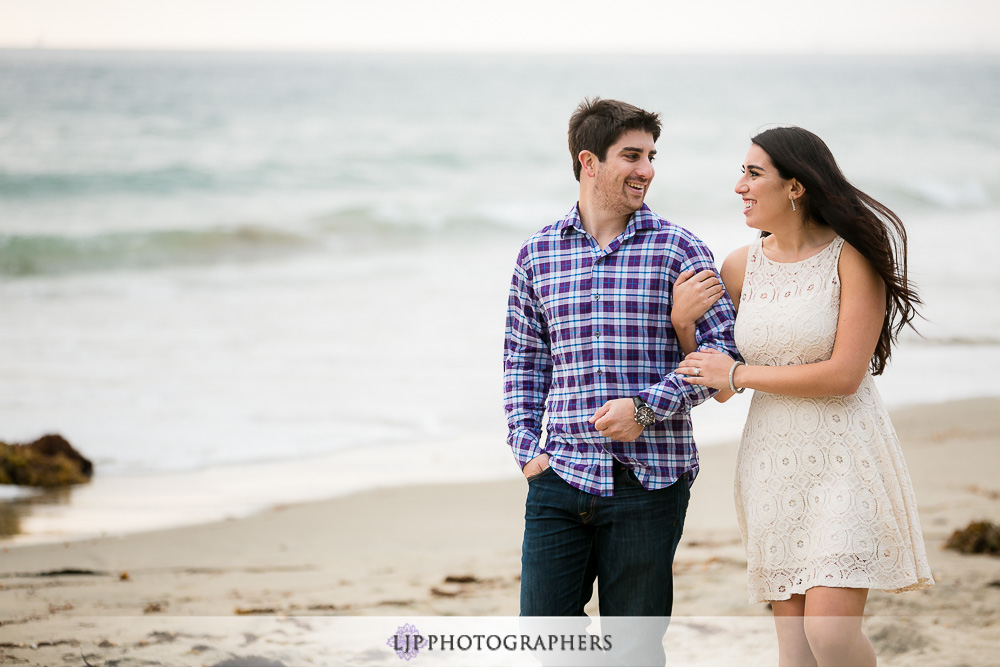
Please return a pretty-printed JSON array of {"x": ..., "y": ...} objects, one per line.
[{"x": 605, "y": 227}]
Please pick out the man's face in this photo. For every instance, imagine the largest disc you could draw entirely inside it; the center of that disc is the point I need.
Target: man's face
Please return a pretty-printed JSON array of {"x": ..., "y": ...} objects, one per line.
[{"x": 621, "y": 181}]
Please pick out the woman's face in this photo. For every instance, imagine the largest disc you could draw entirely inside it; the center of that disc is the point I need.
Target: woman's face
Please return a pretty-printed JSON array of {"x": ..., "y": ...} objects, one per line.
[{"x": 765, "y": 193}]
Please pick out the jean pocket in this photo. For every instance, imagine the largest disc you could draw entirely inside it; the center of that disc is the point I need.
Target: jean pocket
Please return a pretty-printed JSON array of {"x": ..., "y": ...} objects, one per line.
[
  {"x": 633, "y": 479},
  {"x": 538, "y": 474}
]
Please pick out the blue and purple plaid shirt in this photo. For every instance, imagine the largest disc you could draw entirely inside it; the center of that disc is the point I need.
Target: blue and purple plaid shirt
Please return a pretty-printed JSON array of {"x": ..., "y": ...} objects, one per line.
[{"x": 586, "y": 325}]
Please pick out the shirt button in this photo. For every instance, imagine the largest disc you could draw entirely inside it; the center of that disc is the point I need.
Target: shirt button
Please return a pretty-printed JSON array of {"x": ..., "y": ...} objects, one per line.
[
  {"x": 597, "y": 334},
  {"x": 599, "y": 371},
  {"x": 597, "y": 297}
]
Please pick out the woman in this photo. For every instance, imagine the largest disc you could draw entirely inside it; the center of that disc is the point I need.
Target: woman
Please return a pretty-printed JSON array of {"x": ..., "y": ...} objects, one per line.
[{"x": 823, "y": 496}]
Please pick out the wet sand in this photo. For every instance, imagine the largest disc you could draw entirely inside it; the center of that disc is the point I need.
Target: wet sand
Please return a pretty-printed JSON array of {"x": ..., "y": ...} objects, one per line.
[{"x": 289, "y": 583}]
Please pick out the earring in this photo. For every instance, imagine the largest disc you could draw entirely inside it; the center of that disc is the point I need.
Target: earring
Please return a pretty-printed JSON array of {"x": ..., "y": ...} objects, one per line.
[{"x": 793, "y": 203}]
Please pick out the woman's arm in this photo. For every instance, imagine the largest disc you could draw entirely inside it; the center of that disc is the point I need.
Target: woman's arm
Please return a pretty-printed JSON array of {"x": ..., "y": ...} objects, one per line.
[
  {"x": 734, "y": 270},
  {"x": 733, "y": 275},
  {"x": 862, "y": 312},
  {"x": 693, "y": 295}
]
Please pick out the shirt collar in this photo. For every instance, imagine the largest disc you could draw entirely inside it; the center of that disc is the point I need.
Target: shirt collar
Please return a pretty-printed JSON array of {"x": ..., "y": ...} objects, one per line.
[{"x": 644, "y": 218}]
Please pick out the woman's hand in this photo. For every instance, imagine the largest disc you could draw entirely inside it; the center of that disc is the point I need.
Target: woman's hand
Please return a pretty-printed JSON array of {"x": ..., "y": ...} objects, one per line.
[
  {"x": 694, "y": 294},
  {"x": 709, "y": 368},
  {"x": 692, "y": 297}
]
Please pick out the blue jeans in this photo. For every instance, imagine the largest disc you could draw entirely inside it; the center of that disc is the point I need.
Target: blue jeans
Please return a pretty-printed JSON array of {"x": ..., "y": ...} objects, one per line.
[{"x": 626, "y": 542}]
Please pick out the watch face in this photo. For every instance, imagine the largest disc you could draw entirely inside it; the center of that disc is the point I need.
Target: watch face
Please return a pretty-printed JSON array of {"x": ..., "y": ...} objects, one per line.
[{"x": 645, "y": 415}]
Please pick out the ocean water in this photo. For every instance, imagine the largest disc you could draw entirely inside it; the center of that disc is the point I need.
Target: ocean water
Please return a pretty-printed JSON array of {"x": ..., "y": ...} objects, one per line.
[{"x": 234, "y": 280}]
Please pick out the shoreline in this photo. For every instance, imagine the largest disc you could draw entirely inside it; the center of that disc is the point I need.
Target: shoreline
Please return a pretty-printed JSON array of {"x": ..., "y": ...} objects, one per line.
[
  {"x": 123, "y": 504},
  {"x": 438, "y": 550},
  {"x": 128, "y": 504}
]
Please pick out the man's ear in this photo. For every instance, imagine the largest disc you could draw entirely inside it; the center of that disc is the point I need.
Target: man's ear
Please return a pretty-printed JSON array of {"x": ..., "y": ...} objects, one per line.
[{"x": 588, "y": 163}]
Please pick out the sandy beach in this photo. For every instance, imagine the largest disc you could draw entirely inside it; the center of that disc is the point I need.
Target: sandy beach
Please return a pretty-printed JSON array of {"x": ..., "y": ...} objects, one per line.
[{"x": 287, "y": 586}]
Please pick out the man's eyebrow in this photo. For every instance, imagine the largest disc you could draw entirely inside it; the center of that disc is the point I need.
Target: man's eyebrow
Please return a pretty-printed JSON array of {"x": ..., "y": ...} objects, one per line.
[{"x": 632, "y": 149}]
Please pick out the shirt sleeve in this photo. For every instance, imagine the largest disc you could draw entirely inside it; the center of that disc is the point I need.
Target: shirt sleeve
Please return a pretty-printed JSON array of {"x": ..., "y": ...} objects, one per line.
[
  {"x": 715, "y": 329},
  {"x": 527, "y": 367}
]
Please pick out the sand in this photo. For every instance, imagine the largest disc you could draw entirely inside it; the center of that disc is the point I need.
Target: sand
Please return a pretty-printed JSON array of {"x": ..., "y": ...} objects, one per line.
[{"x": 306, "y": 584}]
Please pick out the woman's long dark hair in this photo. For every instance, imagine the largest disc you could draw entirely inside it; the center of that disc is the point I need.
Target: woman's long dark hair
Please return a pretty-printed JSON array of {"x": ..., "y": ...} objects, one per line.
[{"x": 875, "y": 231}]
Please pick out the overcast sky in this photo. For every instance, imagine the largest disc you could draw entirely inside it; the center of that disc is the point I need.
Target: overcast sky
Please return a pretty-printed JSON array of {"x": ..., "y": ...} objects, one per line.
[{"x": 598, "y": 26}]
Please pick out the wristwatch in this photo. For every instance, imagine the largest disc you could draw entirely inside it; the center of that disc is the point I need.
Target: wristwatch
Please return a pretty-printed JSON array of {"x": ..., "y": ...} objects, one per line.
[{"x": 644, "y": 415}]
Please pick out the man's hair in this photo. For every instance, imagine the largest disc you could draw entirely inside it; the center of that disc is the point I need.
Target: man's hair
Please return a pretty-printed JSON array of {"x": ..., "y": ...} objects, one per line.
[{"x": 597, "y": 124}]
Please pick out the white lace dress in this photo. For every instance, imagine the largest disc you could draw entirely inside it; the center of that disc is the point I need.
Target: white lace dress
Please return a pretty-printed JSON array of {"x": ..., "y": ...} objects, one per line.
[{"x": 822, "y": 492}]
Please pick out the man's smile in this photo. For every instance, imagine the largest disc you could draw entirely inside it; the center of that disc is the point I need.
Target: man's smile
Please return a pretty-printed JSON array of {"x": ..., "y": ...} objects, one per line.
[{"x": 638, "y": 186}]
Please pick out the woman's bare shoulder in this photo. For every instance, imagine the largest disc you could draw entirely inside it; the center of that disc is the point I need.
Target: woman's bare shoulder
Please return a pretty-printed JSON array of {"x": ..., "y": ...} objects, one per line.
[
  {"x": 733, "y": 272},
  {"x": 853, "y": 264},
  {"x": 735, "y": 262}
]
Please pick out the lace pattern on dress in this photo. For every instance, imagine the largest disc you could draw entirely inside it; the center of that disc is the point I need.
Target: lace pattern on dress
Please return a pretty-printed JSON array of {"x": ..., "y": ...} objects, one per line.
[{"x": 823, "y": 496}]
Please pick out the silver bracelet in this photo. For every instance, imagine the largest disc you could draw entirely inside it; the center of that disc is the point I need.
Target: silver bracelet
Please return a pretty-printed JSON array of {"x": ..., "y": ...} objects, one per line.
[{"x": 732, "y": 372}]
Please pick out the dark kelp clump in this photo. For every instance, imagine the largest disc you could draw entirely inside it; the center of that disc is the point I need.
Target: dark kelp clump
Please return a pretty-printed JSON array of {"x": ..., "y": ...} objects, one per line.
[
  {"x": 47, "y": 462},
  {"x": 979, "y": 537}
]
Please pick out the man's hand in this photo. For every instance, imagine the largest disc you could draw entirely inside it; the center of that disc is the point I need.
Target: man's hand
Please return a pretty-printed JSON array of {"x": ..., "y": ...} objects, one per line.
[
  {"x": 535, "y": 465},
  {"x": 616, "y": 420}
]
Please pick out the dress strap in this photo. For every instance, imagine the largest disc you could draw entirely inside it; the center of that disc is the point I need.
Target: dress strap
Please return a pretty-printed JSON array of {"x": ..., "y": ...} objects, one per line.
[
  {"x": 755, "y": 254},
  {"x": 838, "y": 245},
  {"x": 832, "y": 252}
]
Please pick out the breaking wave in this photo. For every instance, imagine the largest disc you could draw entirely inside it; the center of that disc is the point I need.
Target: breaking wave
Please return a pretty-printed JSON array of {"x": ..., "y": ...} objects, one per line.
[{"x": 26, "y": 255}]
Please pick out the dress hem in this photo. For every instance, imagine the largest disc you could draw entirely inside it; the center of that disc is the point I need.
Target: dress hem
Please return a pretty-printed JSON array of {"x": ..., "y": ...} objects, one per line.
[{"x": 922, "y": 583}]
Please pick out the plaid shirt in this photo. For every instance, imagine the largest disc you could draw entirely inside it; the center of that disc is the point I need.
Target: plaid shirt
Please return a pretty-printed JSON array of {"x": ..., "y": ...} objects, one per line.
[{"x": 586, "y": 325}]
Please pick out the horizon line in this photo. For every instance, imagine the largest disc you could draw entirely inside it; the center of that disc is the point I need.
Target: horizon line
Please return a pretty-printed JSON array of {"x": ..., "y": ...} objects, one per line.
[{"x": 264, "y": 50}]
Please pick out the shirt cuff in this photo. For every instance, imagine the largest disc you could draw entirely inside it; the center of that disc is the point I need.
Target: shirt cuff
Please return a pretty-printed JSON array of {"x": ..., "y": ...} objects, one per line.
[{"x": 525, "y": 447}]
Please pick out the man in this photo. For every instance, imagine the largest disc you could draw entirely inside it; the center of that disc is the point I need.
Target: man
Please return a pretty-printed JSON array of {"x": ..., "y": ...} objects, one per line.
[{"x": 589, "y": 335}]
